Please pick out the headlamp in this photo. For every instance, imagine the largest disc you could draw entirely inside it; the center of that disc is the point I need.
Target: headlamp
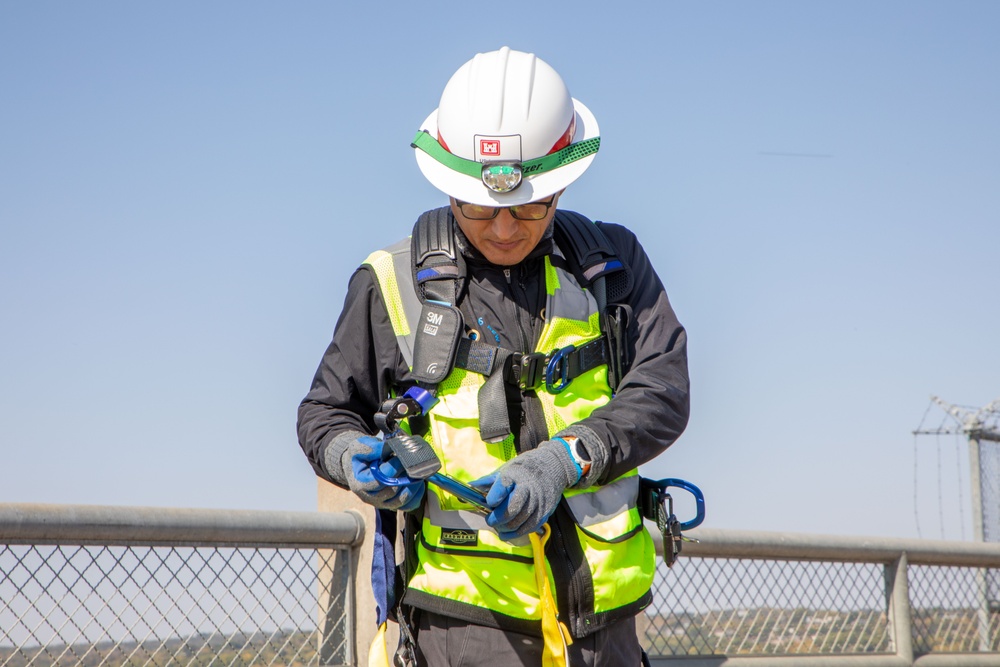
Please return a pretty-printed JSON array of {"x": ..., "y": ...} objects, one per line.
[
  {"x": 505, "y": 176},
  {"x": 501, "y": 176}
]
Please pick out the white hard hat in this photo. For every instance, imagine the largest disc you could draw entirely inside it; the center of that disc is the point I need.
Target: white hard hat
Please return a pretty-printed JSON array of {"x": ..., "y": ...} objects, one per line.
[{"x": 506, "y": 132}]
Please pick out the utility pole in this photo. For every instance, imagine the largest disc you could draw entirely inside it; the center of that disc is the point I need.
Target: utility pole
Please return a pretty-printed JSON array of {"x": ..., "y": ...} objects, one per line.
[{"x": 982, "y": 429}]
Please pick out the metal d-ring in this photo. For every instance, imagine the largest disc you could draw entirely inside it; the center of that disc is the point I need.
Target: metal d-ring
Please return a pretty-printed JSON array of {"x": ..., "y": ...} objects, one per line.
[{"x": 558, "y": 363}]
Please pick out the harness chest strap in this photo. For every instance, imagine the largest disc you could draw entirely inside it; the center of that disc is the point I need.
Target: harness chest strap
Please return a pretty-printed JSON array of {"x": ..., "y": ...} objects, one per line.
[
  {"x": 553, "y": 371},
  {"x": 531, "y": 371}
]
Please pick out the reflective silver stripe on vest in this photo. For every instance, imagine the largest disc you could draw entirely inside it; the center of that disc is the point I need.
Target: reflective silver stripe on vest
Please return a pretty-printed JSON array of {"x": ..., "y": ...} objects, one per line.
[
  {"x": 587, "y": 508},
  {"x": 606, "y": 503},
  {"x": 402, "y": 267},
  {"x": 452, "y": 518},
  {"x": 570, "y": 301}
]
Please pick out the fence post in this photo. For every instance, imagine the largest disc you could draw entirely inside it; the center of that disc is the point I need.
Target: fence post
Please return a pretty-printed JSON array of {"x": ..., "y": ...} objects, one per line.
[
  {"x": 335, "y": 622},
  {"x": 354, "y": 565},
  {"x": 897, "y": 594}
]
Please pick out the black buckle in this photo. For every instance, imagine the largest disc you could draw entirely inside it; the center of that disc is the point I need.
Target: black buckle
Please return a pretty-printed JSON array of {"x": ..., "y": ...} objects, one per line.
[
  {"x": 529, "y": 370},
  {"x": 393, "y": 410}
]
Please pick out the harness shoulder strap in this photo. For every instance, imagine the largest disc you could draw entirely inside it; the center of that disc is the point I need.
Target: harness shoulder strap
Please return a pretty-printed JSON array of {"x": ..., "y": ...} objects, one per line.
[
  {"x": 596, "y": 264},
  {"x": 438, "y": 270},
  {"x": 592, "y": 255},
  {"x": 438, "y": 266}
]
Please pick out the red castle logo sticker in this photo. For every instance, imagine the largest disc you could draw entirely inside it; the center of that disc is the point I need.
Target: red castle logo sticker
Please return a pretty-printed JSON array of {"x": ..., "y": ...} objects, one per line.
[{"x": 489, "y": 147}]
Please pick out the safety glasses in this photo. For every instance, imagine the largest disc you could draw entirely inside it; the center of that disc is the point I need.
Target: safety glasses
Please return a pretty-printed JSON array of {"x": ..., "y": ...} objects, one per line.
[{"x": 535, "y": 210}]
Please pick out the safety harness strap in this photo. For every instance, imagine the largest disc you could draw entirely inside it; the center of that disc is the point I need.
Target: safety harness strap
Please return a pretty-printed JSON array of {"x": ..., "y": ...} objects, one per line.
[
  {"x": 476, "y": 356},
  {"x": 494, "y": 418},
  {"x": 437, "y": 271},
  {"x": 437, "y": 264},
  {"x": 531, "y": 371},
  {"x": 598, "y": 266},
  {"x": 439, "y": 343},
  {"x": 593, "y": 254}
]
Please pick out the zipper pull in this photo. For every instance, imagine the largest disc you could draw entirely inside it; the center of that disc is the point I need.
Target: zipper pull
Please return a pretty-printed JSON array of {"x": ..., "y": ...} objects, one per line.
[{"x": 506, "y": 274}]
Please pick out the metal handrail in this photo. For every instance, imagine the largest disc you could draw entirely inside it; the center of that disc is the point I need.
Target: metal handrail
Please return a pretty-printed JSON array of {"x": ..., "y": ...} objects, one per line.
[
  {"x": 88, "y": 584},
  {"x": 31, "y": 523},
  {"x": 715, "y": 543}
]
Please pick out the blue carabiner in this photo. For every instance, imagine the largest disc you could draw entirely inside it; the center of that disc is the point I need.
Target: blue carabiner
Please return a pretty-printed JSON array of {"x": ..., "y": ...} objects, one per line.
[
  {"x": 385, "y": 480},
  {"x": 451, "y": 485},
  {"x": 699, "y": 499},
  {"x": 559, "y": 362}
]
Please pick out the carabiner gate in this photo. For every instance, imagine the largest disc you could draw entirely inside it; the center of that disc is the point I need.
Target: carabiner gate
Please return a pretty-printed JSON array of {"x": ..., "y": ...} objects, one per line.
[{"x": 559, "y": 363}]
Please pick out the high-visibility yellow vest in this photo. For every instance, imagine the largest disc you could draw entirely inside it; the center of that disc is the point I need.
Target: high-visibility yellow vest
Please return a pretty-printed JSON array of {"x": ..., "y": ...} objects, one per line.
[{"x": 464, "y": 569}]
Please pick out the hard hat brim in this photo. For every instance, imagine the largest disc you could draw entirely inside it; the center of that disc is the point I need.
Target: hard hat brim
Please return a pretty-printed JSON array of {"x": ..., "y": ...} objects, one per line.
[{"x": 534, "y": 187}]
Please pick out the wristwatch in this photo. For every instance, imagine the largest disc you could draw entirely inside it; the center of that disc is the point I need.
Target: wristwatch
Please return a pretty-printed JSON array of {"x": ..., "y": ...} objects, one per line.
[{"x": 579, "y": 453}]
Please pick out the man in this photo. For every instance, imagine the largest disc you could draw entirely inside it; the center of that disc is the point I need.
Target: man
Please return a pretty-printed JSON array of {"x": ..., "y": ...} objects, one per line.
[{"x": 557, "y": 366}]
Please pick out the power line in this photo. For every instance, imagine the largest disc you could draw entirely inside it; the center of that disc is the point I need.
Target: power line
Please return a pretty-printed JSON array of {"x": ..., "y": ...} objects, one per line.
[{"x": 979, "y": 426}]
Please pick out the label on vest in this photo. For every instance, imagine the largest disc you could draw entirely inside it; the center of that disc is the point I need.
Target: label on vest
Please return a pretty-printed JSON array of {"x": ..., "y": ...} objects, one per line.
[{"x": 459, "y": 537}]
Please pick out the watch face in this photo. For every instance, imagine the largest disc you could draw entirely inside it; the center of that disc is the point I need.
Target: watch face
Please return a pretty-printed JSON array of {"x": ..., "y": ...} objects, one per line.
[{"x": 580, "y": 451}]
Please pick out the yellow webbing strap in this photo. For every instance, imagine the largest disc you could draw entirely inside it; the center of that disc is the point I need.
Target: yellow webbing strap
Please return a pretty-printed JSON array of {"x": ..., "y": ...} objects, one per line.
[
  {"x": 378, "y": 656},
  {"x": 554, "y": 633}
]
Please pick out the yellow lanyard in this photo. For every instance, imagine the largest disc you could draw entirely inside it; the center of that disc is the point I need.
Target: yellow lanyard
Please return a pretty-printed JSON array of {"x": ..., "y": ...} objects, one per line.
[{"x": 554, "y": 632}]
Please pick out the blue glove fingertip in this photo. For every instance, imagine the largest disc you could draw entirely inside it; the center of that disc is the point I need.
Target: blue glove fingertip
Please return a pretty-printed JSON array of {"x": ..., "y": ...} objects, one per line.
[
  {"x": 417, "y": 491},
  {"x": 499, "y": 495},
  {"x": 362, "y": 470},
  {"x": 392, "y": 468},
  {"x": 484, "y": 482}
]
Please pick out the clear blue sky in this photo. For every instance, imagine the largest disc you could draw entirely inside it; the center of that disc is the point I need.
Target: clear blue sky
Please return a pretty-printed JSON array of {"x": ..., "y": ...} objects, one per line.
[{"x": 186, "y": 187}]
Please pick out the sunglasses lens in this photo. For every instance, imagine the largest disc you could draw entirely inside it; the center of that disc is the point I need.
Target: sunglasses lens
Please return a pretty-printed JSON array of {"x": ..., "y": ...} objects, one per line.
[
  {"x": 531, "y": 211},
  {"x": 477, "y": 212}
]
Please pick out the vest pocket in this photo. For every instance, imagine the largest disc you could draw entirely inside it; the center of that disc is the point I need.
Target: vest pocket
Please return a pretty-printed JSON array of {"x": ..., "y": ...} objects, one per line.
[
  {"x": 616, "y": 546},
  {"x": 607, "y": 513},
  {"x": 455, "y": 438}
]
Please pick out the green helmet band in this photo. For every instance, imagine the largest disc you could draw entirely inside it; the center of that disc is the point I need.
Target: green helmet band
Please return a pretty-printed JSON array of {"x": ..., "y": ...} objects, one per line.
[{"x": 504, "y": 176}]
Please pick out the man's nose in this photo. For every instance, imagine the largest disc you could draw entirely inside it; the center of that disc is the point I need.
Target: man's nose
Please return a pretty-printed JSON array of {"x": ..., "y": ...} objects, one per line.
[{"x": 505, "y": 225}]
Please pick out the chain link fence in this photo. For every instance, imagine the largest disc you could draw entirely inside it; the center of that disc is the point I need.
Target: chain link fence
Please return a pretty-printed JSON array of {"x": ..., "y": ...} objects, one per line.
[
  {"x": 812, "y": 598},
  {"x": 168, "y": 605},
  {"x": 755, "y": 607},
  {"x": 989, "y": 503},
  {"x": 167, "y": 587},
  {"x": 257, "y": 596},
  {"x": 954, "y": 615}
]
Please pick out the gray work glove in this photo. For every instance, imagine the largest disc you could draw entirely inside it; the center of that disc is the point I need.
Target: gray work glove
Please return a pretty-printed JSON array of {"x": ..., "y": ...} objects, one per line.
[
  {"x": 357, "y": 461},
  {"x": 525, "y": 491}
]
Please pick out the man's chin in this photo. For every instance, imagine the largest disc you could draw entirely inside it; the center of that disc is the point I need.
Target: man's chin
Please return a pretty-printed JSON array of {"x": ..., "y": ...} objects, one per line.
[{"x": 505, "y": 255}]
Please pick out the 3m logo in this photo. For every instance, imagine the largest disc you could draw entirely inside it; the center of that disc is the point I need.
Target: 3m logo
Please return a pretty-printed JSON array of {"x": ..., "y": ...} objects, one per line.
[
  {"x": 489, "y": 146},
  {"x": 433, "y": 323}
]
